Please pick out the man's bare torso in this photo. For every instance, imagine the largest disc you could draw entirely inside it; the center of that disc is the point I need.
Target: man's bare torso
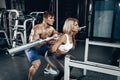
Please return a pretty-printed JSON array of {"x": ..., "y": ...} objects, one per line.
[{"x": 41, "y": 32}]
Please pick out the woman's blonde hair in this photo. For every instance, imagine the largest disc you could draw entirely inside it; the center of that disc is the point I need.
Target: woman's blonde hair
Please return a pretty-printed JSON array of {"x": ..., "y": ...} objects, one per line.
[
  {"x": 68, "y": 27},
  {"x": 69, "y": 24}
]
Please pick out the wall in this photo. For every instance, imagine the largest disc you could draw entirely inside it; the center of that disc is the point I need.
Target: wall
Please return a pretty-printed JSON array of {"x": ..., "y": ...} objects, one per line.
[{"x": 2, "y": 4}]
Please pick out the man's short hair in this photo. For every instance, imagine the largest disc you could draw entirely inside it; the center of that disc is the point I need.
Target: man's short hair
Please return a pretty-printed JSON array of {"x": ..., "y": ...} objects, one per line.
[{"x": 47, "y": 13}]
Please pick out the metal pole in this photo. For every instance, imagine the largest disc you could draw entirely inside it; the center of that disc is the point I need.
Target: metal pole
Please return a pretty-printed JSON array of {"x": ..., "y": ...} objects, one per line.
[
  {"x": 67, "y": 68},
  {"x": 29, "y": 45},
  {"x": 57, "y": 15}
]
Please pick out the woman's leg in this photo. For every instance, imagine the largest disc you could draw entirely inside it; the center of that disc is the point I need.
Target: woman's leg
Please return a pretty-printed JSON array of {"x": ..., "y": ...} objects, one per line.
[
  {"x": 50, "y": 58},
  {"x": 54, "y": 63}
]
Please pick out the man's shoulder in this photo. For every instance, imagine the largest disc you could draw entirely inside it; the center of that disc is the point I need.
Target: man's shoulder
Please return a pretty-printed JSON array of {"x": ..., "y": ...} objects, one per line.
[
  {"x": 51, "y": 27},
  {"x": 38, "y": 26}
]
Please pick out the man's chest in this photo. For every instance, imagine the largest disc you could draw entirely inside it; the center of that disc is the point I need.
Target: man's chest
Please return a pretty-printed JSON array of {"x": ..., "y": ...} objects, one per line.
[{"x": 45, "y": 33}]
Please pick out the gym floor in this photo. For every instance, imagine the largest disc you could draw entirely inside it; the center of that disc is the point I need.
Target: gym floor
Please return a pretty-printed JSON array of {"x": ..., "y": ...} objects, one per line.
[{"x": 16, "y": 67}]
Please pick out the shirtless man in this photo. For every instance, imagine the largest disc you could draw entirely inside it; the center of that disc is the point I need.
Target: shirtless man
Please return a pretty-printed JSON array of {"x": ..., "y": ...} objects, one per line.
[{"x": 40, "y": 31}]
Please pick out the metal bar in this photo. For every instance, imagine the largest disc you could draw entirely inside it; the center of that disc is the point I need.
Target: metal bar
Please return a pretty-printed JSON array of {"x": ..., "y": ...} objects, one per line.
[
  {"x": 104, "y": 44},
  {"x": 88, "y": 42},
  {"x": 118, "y": 78},
  {"x": 29, "y": 45},
  {"x": 57, "y": 15},
  {"x": 6, "y": 37},
  {"x": 80, "y": 28},
  {"x": 67, "y": 68},
  {"x": 97, "y": 67},
  {"x": 86, "y": 55},
  {"x": 36, "y": 13}
]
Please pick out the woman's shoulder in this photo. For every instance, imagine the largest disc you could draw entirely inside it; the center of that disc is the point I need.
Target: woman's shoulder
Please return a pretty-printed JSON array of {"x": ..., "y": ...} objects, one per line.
[{"x": 62, "y": 37}]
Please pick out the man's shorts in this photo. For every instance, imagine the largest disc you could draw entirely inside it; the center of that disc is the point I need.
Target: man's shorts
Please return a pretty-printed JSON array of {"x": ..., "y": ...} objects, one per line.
[{"x": 33, "y": 53}]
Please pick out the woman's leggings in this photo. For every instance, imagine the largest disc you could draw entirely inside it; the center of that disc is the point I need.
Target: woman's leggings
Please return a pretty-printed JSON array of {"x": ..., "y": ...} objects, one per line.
[{"x": 55, "y": 64}]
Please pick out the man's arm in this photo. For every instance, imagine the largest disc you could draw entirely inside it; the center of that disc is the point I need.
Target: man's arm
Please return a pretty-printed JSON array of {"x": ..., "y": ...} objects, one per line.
[
  {"x": 34, "y": 34},
  {"x": 54, "y": 31}
]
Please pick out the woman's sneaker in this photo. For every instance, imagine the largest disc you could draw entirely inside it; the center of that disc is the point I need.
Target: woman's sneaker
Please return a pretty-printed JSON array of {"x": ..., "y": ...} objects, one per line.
[{"x": 50, "y": 71}]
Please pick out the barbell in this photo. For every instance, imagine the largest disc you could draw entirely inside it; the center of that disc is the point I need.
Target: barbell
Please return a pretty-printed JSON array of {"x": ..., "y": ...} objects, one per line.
[{"x": 13, "y": 51}]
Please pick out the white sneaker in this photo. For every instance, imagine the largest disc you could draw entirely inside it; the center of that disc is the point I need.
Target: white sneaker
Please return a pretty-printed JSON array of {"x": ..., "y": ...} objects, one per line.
[{"x": 50, "y": 71}]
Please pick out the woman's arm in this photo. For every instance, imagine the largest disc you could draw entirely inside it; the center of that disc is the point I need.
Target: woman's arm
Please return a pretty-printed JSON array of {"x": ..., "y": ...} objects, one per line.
[{"x": 55, "y": 46}]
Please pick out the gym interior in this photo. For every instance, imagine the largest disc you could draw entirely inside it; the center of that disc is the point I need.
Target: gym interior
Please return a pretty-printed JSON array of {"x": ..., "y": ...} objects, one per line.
[{"x": 97, "y": 49}]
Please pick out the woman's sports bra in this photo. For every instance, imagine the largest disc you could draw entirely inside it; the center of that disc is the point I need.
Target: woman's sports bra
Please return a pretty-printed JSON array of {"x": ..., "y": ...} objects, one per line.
[{"x": 66, "y": 47}]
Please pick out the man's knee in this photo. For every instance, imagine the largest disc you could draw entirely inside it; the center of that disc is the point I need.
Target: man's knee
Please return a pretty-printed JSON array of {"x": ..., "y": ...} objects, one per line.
[{"x": 36, "y": 64}]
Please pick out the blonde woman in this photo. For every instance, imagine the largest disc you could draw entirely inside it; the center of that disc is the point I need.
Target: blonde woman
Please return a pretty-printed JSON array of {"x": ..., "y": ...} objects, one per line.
[{"x": 64, "y": 44}]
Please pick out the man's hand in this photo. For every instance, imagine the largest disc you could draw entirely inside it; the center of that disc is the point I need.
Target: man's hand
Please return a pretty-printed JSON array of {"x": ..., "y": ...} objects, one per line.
[
  {"x": 56, "y": 37},
  {"x": 52, "y": 41}
]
